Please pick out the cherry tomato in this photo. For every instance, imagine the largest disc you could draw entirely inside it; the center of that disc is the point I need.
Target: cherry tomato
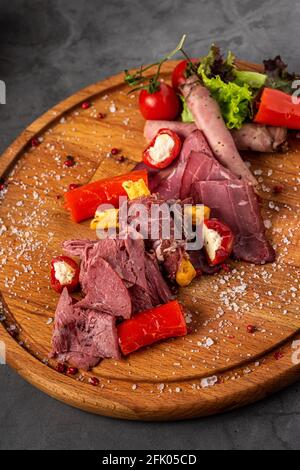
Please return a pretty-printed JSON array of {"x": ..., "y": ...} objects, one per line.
[
  {"x": 162, "y": 105},
  {"x": 179, "y": 76}
]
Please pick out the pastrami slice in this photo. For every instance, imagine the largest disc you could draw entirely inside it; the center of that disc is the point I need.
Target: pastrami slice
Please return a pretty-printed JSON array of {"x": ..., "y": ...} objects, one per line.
[
  {"x": 201, "y": 167},
  {"x": 235, "y": 203},
  {"x": 105, "y": 290},
  {"x": 82, "y": 337}
]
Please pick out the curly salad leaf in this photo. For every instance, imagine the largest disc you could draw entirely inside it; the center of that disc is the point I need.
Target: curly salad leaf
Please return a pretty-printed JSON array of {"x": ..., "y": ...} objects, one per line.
[
  {"x": 234, "y": 90},
  {"x": 214, "y": 65},
  {"x": 234, "y": 100},
  {"x": 278, "y": 76}
]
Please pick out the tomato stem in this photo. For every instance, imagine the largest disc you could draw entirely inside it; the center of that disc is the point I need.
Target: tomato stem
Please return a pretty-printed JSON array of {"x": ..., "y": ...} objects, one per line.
[{"x": 153, "y": 84}]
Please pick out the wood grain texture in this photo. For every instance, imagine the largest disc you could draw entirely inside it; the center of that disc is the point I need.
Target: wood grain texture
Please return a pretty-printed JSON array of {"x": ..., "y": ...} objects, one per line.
[{"x": 164, "y": 381}]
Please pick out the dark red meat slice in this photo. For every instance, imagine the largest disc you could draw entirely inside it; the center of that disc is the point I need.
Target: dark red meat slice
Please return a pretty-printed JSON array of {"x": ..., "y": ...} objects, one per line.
[
  {"x": 82, "y": 337},
  {"x": 101, "y": 283},
  {"x": 201, "y": 167},
  {"x": 236, "y": 204}
]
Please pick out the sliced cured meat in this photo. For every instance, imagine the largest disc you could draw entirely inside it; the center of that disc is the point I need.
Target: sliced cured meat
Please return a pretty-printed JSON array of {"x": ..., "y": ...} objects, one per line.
[
  {"x": 236, "y": 204},
  {"x": 101, "y": 283},
  {"x": 128, "y": 258},
  {"x": 201, "y": 167},
  {"x": 159, "y": 290},
  {"x": 77, "y": 247},
  {"x": 82, "y": 337}
]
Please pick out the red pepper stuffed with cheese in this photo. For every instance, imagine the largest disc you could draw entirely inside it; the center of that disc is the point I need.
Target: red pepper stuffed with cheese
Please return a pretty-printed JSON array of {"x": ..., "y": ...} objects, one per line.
[{"x": 163, "y": 149}]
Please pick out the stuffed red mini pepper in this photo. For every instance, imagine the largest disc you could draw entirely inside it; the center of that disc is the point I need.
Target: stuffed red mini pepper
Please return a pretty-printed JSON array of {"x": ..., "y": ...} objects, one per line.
[
  {"x": 163, "y": 149},
  {"x": 64, "y": 273},
  {"x": 218, "y": 241},
  {"x": 83, "y": 202}
]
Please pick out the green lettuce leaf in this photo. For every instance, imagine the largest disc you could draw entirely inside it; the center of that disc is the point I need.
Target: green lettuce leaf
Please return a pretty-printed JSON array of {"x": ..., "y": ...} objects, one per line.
[
  {"x": 234, "y": 100},
  {"x": 253, "y": 79},
  {"x": 234, "y": 90},
  {"x": 186, "y": 115}
]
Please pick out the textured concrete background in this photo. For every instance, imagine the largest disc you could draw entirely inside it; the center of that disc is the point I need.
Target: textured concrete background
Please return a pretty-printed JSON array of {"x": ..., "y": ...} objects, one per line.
[{"x": 50, "y": 49}]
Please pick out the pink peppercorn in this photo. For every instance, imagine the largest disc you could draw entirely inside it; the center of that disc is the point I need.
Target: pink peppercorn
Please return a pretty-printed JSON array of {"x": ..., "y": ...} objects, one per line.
[
  {"x": 94, "y": 381},
  {"x": 86, "y": 105},
  {"x": 35, "y": 142}
]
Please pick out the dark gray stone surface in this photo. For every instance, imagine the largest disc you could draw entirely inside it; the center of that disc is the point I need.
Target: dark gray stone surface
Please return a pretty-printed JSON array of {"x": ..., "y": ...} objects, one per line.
[{"x": 50, "y": 49}]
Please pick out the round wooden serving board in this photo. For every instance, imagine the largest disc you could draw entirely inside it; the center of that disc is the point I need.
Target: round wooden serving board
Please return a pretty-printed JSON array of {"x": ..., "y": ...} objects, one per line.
[{"x": 168, "y": 380}]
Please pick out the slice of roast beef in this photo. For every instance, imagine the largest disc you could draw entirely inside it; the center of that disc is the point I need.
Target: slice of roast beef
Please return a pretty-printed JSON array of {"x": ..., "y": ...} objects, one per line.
[
  {"x": 77, "y": 247},
  {"x": 168, "y": 250},
  {"x": 201, "y": 167},
  {"x": 105, "y": 291},
  {"x": 140, "y": 299},
  {"x": 235, "y": 203},
  {"x": 159, "y": 290},
  {"x": 209, "y": 120},
  {"x": 126, "y": 257},
  {"x": 131, "y": 262},
  {"x": 82, "y": 337},
  {"x": 157, "y": 177}
]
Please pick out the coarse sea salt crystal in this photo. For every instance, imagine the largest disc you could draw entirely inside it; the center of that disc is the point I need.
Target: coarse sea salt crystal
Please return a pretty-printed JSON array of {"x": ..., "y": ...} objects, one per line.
[
  {"x": 268, "y": 223},
  {"x": 3, "y": 229},
  {"x": 209, "y": 342},
  {"x": 209, "y": 381},
  {"x": 296, "y": 344},
  {"x": 188, "y": 318}
]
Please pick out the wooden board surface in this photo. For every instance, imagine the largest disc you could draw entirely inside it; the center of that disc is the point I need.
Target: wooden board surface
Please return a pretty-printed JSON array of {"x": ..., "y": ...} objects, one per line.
[{"x": 167, "y": 381}]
